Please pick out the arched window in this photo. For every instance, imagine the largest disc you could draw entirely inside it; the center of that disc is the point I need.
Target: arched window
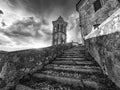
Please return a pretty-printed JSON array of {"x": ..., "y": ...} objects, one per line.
[
  {"x": 58, "y": 26},
  {"x": 62, "y": 29},
  {"x": 119, "y": 1},
  {"x": 97, "y": 5}
]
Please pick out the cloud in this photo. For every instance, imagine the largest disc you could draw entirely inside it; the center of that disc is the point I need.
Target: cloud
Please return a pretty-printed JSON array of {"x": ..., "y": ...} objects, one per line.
[
  {"x": 44, "y": 7},
  {"x": 36, "y": 33},
  {"x": 28, "y": 28},
  {"x": 26, "y": 32},
  {"x": 28, "y": 23}
]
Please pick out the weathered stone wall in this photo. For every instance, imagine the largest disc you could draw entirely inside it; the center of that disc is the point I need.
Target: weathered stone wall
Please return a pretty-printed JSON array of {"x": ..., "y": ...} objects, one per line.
[
  {"x": 110, "y": 25},
  {"x": 103, "y": 43},
  {"x": 106, "y": 51},
  {"x": 17, "y": 64},
  {"x": 88, "y": 16}
]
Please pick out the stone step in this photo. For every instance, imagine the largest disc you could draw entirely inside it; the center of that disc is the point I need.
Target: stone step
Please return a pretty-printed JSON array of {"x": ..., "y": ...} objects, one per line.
[
  {"x": 75, "y": 75},
  {"x": 70, "y": 81},
  {"x": 63, "y": 74},
  {"x": 72, "y": 58},
  {"x": 74, "y": 52},
  {"x": 79, "y": 47},
  {"x": 74, "y": 55},
  {"x": 55, "y": 66},
  {"x": 66, "y": 56},
  {"x": 74, "y": 69},
  {"x": 77, "y": 54},
  {"x": 59, "y": 79},
  {"x": 72, "y": 62},
  {"x": 76, "y": 49}
]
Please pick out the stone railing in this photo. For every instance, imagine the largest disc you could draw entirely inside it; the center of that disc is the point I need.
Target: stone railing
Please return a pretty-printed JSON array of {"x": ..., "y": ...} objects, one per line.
[
  {"x": 20, "y": 63},
  {"x": 103, "y": 44}
]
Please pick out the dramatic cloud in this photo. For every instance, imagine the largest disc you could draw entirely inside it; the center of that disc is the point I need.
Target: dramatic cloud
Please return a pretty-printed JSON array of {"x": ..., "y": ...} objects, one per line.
[
  {"x": 28, "y": 31},
  {"x": 45, "y": 7},
  {"x": 28, "y": 23}
]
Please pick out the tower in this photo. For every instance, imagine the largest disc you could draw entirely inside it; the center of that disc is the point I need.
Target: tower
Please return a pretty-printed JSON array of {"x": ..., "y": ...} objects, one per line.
[{"x": 59, "y": 31}]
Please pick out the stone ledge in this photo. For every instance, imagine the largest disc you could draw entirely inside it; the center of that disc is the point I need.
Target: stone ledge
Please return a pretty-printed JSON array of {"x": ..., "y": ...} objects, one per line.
[{"x": 106, "y": 51}]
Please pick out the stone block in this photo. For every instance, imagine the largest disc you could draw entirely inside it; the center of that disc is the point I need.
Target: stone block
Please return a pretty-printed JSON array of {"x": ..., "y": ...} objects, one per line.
[{"x": 106, "y": 51}]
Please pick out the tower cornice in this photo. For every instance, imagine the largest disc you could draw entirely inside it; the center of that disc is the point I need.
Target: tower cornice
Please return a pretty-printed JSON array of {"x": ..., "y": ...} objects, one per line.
[{"x": 60, "y": 20}]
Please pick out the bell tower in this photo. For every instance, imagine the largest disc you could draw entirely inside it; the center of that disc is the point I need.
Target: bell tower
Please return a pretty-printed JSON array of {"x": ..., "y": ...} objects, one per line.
[{"x": 59, "y": 31}]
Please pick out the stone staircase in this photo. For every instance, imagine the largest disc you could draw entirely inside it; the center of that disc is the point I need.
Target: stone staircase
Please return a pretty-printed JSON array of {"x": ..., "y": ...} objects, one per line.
[{"x": 75, "y": 67}]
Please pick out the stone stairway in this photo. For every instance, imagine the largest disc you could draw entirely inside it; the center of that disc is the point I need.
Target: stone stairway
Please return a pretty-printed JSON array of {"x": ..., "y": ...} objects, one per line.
[{"x": 75, "y": 67}]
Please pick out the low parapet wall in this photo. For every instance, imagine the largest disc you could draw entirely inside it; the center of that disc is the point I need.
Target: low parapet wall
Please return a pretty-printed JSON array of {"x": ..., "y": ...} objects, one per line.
[
  {"x": 103, "y": 43},
  {"x": 17, "y": 64}
]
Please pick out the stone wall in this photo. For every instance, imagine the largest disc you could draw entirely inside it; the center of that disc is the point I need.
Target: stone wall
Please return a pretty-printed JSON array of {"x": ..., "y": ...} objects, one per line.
[
  {"x": 89, "y": 18},
  {"x": 103, "y": 43},
  {"x": 103, "y": 40},
  {"x": 16, "y": 65},
  {"x": 106, "y": 51}
]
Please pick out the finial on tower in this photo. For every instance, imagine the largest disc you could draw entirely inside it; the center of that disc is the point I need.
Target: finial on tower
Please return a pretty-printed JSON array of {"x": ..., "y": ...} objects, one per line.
[{"x": 60, "y": 18}]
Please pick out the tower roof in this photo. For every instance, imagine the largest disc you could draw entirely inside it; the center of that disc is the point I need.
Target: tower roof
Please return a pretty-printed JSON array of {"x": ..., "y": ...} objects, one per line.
[{"x": 60, "y": 18}]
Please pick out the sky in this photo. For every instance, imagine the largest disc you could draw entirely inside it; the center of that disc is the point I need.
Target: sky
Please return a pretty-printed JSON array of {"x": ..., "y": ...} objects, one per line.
[{"x": 26, "y": 24}]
